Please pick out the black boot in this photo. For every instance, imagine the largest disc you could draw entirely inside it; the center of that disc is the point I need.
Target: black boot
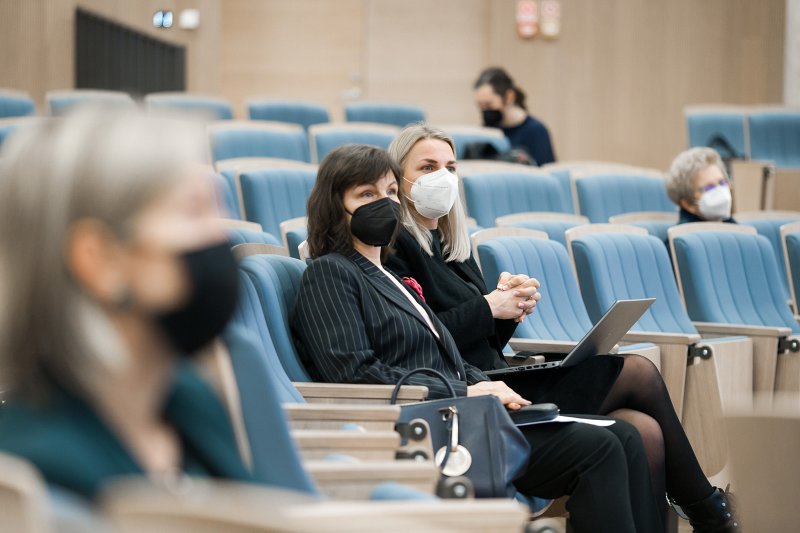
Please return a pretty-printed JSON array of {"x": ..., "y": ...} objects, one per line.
[{"x": 715, "y": 514}]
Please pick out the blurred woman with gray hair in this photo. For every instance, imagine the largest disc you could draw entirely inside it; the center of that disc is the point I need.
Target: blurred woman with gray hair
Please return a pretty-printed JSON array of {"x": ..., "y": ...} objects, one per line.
[
  {"x": 113, "y": 272},
  {"x": 698, "y": 183}
]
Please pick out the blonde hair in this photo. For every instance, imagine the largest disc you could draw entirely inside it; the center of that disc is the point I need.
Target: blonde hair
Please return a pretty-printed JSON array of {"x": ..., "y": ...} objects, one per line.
[
  {"x": 681, "y": 173},
  {"x": 105, "y": 167},
  {"x": 452, "y": 226}
]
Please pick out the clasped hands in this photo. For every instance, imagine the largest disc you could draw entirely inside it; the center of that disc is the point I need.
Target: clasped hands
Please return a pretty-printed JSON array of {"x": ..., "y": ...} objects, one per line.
[{"x": 515, "y": 296}]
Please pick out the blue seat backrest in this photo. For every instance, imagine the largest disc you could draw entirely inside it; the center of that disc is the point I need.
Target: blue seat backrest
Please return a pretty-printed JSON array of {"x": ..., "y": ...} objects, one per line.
[
  {"x": 60, "y": 105},
  {"x": 793, "y": 252},
  {"x": 489, "y": 196},
  {"x": 16, "y": 105},
  {"x": 330, "y": 139},
  {"x": 276, "y": 460},
  {"x": 248, "y": 142},
  {"x": 775, "y": 136},
  {"x": 294, "y": 111},
  {"x": 226, "y": 196},
  {"x": 249, "y": 236},
  {"x": 555, "y": 229},
  {"x": 277, "y": 280},
  {"x": 771, "y": 229},
  {"x": 560, "y": 314},
  {"x": 399, "y": 115},
  {"x": 732, "y": 277},
  {"x": 656, "y": 228},
  {"x": 564, "y": 178},
  {"x": 463, "y": 138},
  {"x": 209, "y": 108},
  {"x": 294, "y": 238},
  {"x": 615, "y": 266},
  {"x": 605, "y": 195},
  {"x": 707, "y": 126},
  {"x": 276, "y": 194}
]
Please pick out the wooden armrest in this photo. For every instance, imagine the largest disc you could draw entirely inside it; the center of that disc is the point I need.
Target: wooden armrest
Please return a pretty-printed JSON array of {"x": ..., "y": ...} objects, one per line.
[
  {"x": 534, "y": 345},
  {"x": 366, "y": 446},
  {"x": 716, "y": 328},
  {"x": 333, "y": 416},
  {"x": 356, "y": 480},
  {"x": 348, "y": 392},
  {"x": 658, "y": 337}
]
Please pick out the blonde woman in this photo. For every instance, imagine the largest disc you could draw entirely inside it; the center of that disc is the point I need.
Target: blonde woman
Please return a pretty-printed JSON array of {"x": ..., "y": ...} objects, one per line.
[
  {"x": 113, "y": 274},
  {"x": 433, "y": 248}
]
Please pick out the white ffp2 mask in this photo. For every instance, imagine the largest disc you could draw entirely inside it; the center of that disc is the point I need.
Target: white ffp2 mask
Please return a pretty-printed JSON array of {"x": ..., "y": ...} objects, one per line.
[
  {"x": 715, "y": 204},
  {"x": 435, "y": 193}
]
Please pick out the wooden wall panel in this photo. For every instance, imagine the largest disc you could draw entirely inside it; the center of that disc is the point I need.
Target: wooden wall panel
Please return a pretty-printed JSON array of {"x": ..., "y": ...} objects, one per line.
[
  {"x": 614, "y": 85},
  {"x": 428, "y": 53},
  {"x": 288, "y": 49}
]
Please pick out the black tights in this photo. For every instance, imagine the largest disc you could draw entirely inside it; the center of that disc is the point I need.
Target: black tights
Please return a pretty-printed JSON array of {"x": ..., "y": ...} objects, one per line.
[{"x": 640, "y": 397}]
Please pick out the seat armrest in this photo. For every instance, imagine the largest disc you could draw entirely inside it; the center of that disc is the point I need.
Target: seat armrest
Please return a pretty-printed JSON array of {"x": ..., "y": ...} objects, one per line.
[
  {"x": 348, "y": 392},
  {"x": 356, "y": 480},
  {"x": 715, "y": 328},
  {"x": 658, "y": 337},
  {"x": 535, "y": 345}
]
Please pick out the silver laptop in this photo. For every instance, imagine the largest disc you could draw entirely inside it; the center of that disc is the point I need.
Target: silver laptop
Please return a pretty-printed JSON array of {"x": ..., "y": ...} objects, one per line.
[{"x": 599, "y": 340}]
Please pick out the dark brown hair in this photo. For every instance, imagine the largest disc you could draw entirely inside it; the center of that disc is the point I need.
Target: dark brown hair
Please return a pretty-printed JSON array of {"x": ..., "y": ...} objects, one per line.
[
  {"x": 500, "y": 82},
  {"x": 347, "y": 166}
]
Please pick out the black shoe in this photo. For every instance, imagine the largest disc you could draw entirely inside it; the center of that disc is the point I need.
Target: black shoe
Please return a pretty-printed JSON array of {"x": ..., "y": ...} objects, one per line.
[{"x": 715, "y": 514}]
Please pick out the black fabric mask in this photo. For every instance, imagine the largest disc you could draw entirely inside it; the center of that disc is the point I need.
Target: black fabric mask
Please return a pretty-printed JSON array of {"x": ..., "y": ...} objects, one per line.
[
  {"x": 375, "y": 223},
  {"x": 214, "y": 288},
  {"x": 492, "y": 118}
]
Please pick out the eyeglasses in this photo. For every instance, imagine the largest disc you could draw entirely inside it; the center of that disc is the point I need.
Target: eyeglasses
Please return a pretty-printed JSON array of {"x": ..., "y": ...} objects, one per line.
[{"x": 723, "y": 183}]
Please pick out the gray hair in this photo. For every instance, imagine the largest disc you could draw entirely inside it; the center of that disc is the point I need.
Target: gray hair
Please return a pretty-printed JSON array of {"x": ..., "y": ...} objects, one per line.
[
  {"x": 452, "y": 226},
  {"x": 681, "y": 173},
  {"x": 105, "y": 167}
]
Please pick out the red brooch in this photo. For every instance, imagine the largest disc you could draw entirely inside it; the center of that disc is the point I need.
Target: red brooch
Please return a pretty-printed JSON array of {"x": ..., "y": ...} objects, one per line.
[{"x": 412, "y": 283}]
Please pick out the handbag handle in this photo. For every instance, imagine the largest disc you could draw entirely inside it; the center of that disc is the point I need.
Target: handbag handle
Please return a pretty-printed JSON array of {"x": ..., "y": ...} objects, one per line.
[{"x": 432, "y": 372}]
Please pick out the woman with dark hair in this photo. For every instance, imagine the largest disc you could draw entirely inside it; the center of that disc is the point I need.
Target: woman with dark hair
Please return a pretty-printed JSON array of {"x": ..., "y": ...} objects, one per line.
[
  {"x": 355, "y": 322},
  {"x": 502, "y": 104},
  {"x": 433, "y": 248}
]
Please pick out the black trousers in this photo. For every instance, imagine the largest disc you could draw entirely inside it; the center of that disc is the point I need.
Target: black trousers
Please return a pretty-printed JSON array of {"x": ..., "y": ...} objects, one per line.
[{"x": 603, "y": 470}]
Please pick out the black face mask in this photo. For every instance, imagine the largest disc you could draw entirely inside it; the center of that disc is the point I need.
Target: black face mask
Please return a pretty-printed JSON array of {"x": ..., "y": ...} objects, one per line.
[
  {"x": 375, "y": 223},
  {"x": 492, "y": 118},
  {"x": 213, "y": 287}
]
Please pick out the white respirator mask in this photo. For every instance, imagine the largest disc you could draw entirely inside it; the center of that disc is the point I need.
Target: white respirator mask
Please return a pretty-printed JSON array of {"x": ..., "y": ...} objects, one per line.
[
  {"x": 435, "y": 193},
  {"x": 715, "y": 204}
]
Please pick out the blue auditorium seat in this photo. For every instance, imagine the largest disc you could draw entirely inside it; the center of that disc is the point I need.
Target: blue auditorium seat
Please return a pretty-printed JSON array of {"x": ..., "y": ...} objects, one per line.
[
  {"x": 15, "y": 104},
  {"x": 656, "y": 223},
  {"x": 227, "y": 199},
  {"x": 249, "y": 236},
  {"x": 273, "y": 195},
  {"x": 603, "y": 195},
  {"x": 621, "y": 262},
  {"x": 707, "y": 125},
  {"x": 207, "y": 107},
  {"x": 61, "y": 102},
  {"x": 488, "y": 196},
  {"x": 554, "y": 224},
  {"x": 394, "y": 114},
  {"x": 791, "y": 241},
  {"x": 464, "y": 135},
  {"x": 324, "y": 138},
  {"x": 768, "y": 224},
  {"x": 775, "y": 136},
  {"x": 732, "y": 277},
  {"x": 305, "y": 114},
  {"x": 236, "y": 139}
]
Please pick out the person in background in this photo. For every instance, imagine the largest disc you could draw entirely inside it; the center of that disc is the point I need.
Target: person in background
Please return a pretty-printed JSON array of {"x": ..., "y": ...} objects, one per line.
[
  {"x": 433, "y": 248},
  {"x": 502, "y": 105},
  {"x": 698, "y": 184},
  {"x": 114, "y": 273}
]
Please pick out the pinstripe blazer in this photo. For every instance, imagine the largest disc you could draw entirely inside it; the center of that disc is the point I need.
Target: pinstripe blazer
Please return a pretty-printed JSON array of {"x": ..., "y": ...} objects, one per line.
[{"x": 351, "y": 324}]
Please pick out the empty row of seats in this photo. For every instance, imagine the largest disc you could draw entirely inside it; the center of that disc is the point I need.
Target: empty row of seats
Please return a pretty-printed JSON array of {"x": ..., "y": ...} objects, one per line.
[{"x": 743, "y": 132}]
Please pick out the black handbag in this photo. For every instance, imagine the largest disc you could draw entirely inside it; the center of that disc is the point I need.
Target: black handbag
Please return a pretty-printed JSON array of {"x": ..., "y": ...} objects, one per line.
[{"x": 472, "y": 437}]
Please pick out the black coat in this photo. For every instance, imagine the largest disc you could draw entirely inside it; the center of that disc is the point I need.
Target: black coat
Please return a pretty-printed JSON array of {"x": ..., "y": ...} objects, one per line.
[
  {"x": 351, "y": 324},
  {"x": 455, "y": 293}
]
